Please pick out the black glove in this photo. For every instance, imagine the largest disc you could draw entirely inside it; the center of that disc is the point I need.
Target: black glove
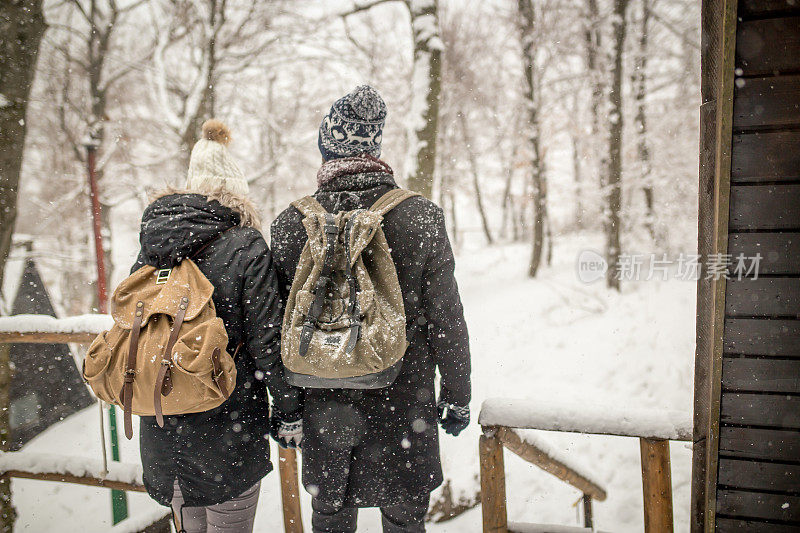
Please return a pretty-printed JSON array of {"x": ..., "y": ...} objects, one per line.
[
  {"x": 453, "y": 418},
  {"x": 286, "y": 430}
]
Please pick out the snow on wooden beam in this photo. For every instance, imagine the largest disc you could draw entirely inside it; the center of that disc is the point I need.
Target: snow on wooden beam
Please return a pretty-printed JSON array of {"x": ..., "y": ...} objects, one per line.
[
  {"x": 70, "y": 469},
  {"x": 589, "y": 418},
  {"x": 46, "y": 329}
]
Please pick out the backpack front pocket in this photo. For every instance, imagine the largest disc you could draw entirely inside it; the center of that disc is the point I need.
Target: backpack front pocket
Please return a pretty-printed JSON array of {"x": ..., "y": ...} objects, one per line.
[
  {"x": 195, "y": 382},
  {"x": 98, "y": 368}
]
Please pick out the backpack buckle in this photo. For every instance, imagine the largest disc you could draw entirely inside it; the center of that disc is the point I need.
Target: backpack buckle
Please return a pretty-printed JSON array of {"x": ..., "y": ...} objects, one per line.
[{"x": 129, "y": 375}]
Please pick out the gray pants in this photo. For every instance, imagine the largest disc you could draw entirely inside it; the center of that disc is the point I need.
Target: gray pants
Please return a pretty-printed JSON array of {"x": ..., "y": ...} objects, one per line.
[
  {"x": 234, "y": 516},
  {"x": 407, "y": 517}
]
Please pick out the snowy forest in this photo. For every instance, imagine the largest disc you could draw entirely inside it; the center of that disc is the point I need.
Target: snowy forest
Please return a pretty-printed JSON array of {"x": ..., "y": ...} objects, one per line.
[{"x": 546, "y": 130}]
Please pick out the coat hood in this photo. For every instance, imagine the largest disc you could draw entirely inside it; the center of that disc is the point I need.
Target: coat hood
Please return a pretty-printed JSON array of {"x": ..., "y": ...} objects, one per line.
[{"x": 178, "y": 223}]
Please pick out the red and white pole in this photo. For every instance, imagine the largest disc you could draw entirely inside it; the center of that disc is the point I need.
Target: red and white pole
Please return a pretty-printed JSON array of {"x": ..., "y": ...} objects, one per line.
[
  {"x": 102, "y": 288},
  {"x": 119, "y": 500}
]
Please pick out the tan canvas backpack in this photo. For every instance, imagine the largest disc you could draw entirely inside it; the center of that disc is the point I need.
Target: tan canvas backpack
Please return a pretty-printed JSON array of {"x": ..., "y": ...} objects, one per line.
[
  {"x": 345, "y": 323},
  {"x": 166, "y": 353}
]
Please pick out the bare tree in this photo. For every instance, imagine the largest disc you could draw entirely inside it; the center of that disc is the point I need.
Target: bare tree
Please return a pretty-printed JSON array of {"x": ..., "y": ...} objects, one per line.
[
  {"x": 527, "y": 26},
  {"x": 613, "y": 164},
  {"x": 426, "y": 83},
  {"x": 426, "y": 89},
  {"x": 22, "y": 26},
  {"x": 639, "y": 79},
  {"x": 84, "y": 109},
  {"x": 592, "y": 37},
  {"x": 208, "y": 42},
  {"x": 476, "y": 185}
]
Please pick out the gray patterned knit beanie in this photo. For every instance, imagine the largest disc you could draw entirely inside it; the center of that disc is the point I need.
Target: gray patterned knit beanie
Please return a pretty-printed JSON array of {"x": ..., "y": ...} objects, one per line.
[{"x": 354, "y": 125}]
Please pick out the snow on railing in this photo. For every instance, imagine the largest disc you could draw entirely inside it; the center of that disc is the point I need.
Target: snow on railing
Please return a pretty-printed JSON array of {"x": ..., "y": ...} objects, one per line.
[
  {"x": 81, "y": 470},
  {"x": 591, "y": 418},
  {"x": 44, "y": 328}
]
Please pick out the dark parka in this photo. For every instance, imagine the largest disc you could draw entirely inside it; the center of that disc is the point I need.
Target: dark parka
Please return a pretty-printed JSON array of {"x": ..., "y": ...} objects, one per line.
[
  {"x": 218, "y": 454},
  {"x": 381, "y": 447}
]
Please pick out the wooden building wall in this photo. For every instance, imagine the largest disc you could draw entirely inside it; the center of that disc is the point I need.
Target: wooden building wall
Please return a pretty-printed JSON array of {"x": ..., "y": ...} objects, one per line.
[{"x": 747, "y": 395}]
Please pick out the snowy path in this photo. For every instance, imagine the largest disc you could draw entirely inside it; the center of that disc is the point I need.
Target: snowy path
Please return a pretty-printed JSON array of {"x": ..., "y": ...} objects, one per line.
[{"x": 533, "y": 339}]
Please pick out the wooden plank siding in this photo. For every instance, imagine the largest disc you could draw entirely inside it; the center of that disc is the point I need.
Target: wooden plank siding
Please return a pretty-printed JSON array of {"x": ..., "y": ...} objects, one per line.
[
  {"x": 746, "y": 374},
  {"x": 778, "y": 251},
  {"x": 754, "y": 9},
  {"x": 733, "y": 525},
  {"x": 768, "y": 47},
  {"x": 766, "y": 207},
  {"x": 765, "y": 157},
  {"x": 759, "y": 475},
  {"x": 779, "y": 445},
  {"x": 758, "y": 455},
  {"x": 768, "y": 102},
  {"x": 780, "y": 411},
  {"x": 755, "y": 336}
]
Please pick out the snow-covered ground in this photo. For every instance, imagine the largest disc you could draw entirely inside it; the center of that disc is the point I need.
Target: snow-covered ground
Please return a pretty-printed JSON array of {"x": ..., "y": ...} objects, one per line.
[{"x": 544, "y": 339}]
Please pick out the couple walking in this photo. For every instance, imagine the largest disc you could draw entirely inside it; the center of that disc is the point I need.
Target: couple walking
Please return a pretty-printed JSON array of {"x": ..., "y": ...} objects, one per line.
[{"x": 360, "y": 447}]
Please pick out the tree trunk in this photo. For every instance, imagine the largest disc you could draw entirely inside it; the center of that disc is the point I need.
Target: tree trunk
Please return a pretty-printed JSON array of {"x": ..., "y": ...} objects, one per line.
[
  {"x": 593, "y": 42},
  {"x": 527, "y": 17},
  {"x": 22, "y": 26},
  {"x": 613, "y": 170},
  {"x": 473, "y": 165},
  {"x": 642, "y": 149},
  {"x": 508, "y": 203},
  {"x": 206, "y": 108},
  {"x": 576, "y": 175},
  {"x": 426, "y": 88}
]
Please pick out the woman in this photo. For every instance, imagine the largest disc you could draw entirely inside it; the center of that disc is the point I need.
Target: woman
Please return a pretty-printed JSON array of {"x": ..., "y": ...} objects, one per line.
[{"x": 208, "y": 465}]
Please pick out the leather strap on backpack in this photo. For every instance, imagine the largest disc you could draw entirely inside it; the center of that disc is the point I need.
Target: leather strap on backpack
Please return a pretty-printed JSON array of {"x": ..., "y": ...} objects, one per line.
[
  {"x": 163, "y": 384},
  {"x": 309, "y": 206},
  {"x": 126, "y": 394},
  {"x": 390, "y": 200},
  {"x": 331, "y": 231}
]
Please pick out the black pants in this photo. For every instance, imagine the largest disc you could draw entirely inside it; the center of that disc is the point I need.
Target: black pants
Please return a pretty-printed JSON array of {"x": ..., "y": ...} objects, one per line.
[{"x": 407, "y": 517}]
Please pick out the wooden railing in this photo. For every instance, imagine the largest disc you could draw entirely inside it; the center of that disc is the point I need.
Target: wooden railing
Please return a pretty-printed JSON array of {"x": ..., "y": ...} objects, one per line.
[
  {"x": 82, "y": 330},
  {"x": 501, "y": 418}
]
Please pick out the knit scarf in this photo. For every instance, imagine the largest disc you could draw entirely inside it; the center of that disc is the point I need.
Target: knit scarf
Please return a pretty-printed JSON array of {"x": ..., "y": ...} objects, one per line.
[{"x": 361, "y": 164}]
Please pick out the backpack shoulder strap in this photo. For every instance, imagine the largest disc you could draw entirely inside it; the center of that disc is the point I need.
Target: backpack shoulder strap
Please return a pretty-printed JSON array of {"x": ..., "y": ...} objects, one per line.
[
  {"x": 390, "y": 200},
  {"x": 309, "y": 206}
]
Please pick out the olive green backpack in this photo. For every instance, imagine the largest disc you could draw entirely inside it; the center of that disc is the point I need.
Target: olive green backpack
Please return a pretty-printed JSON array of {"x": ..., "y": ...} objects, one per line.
[{"x": 345, "y": 322}]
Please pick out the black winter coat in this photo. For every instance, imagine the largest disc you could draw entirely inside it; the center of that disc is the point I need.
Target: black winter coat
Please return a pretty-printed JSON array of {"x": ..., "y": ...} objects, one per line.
[
  {"x": 217, "y": 455},
  {"x": 381, "y": 447}
]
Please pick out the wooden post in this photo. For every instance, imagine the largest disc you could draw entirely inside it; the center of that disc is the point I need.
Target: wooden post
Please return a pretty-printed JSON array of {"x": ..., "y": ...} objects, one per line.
[
  {"x": 657, "y": 485},
  {"x": 588, "y": 520},
  {"x": 719, "y": 21},
  {"x": 290, "y": 491},
  {"x": 493, "y": 485}
]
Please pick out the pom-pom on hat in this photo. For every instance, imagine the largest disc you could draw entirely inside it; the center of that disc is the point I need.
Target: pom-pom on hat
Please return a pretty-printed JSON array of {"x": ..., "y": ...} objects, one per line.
[
  {"x": 211, "y": 166},
  {"x": 354, "y": 125}
]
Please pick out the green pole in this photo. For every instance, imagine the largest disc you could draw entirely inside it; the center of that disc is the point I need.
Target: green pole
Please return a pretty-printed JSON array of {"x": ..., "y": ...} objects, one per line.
[{"x": 119, "y": 499}]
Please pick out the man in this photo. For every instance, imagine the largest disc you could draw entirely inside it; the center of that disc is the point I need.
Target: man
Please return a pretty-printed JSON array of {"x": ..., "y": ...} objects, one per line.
[{"x": 380, "y": 448}]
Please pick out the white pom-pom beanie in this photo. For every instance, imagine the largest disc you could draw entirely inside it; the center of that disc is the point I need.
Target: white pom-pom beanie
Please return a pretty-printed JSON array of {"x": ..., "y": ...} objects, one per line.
[{"x": 211, "y": 166}]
